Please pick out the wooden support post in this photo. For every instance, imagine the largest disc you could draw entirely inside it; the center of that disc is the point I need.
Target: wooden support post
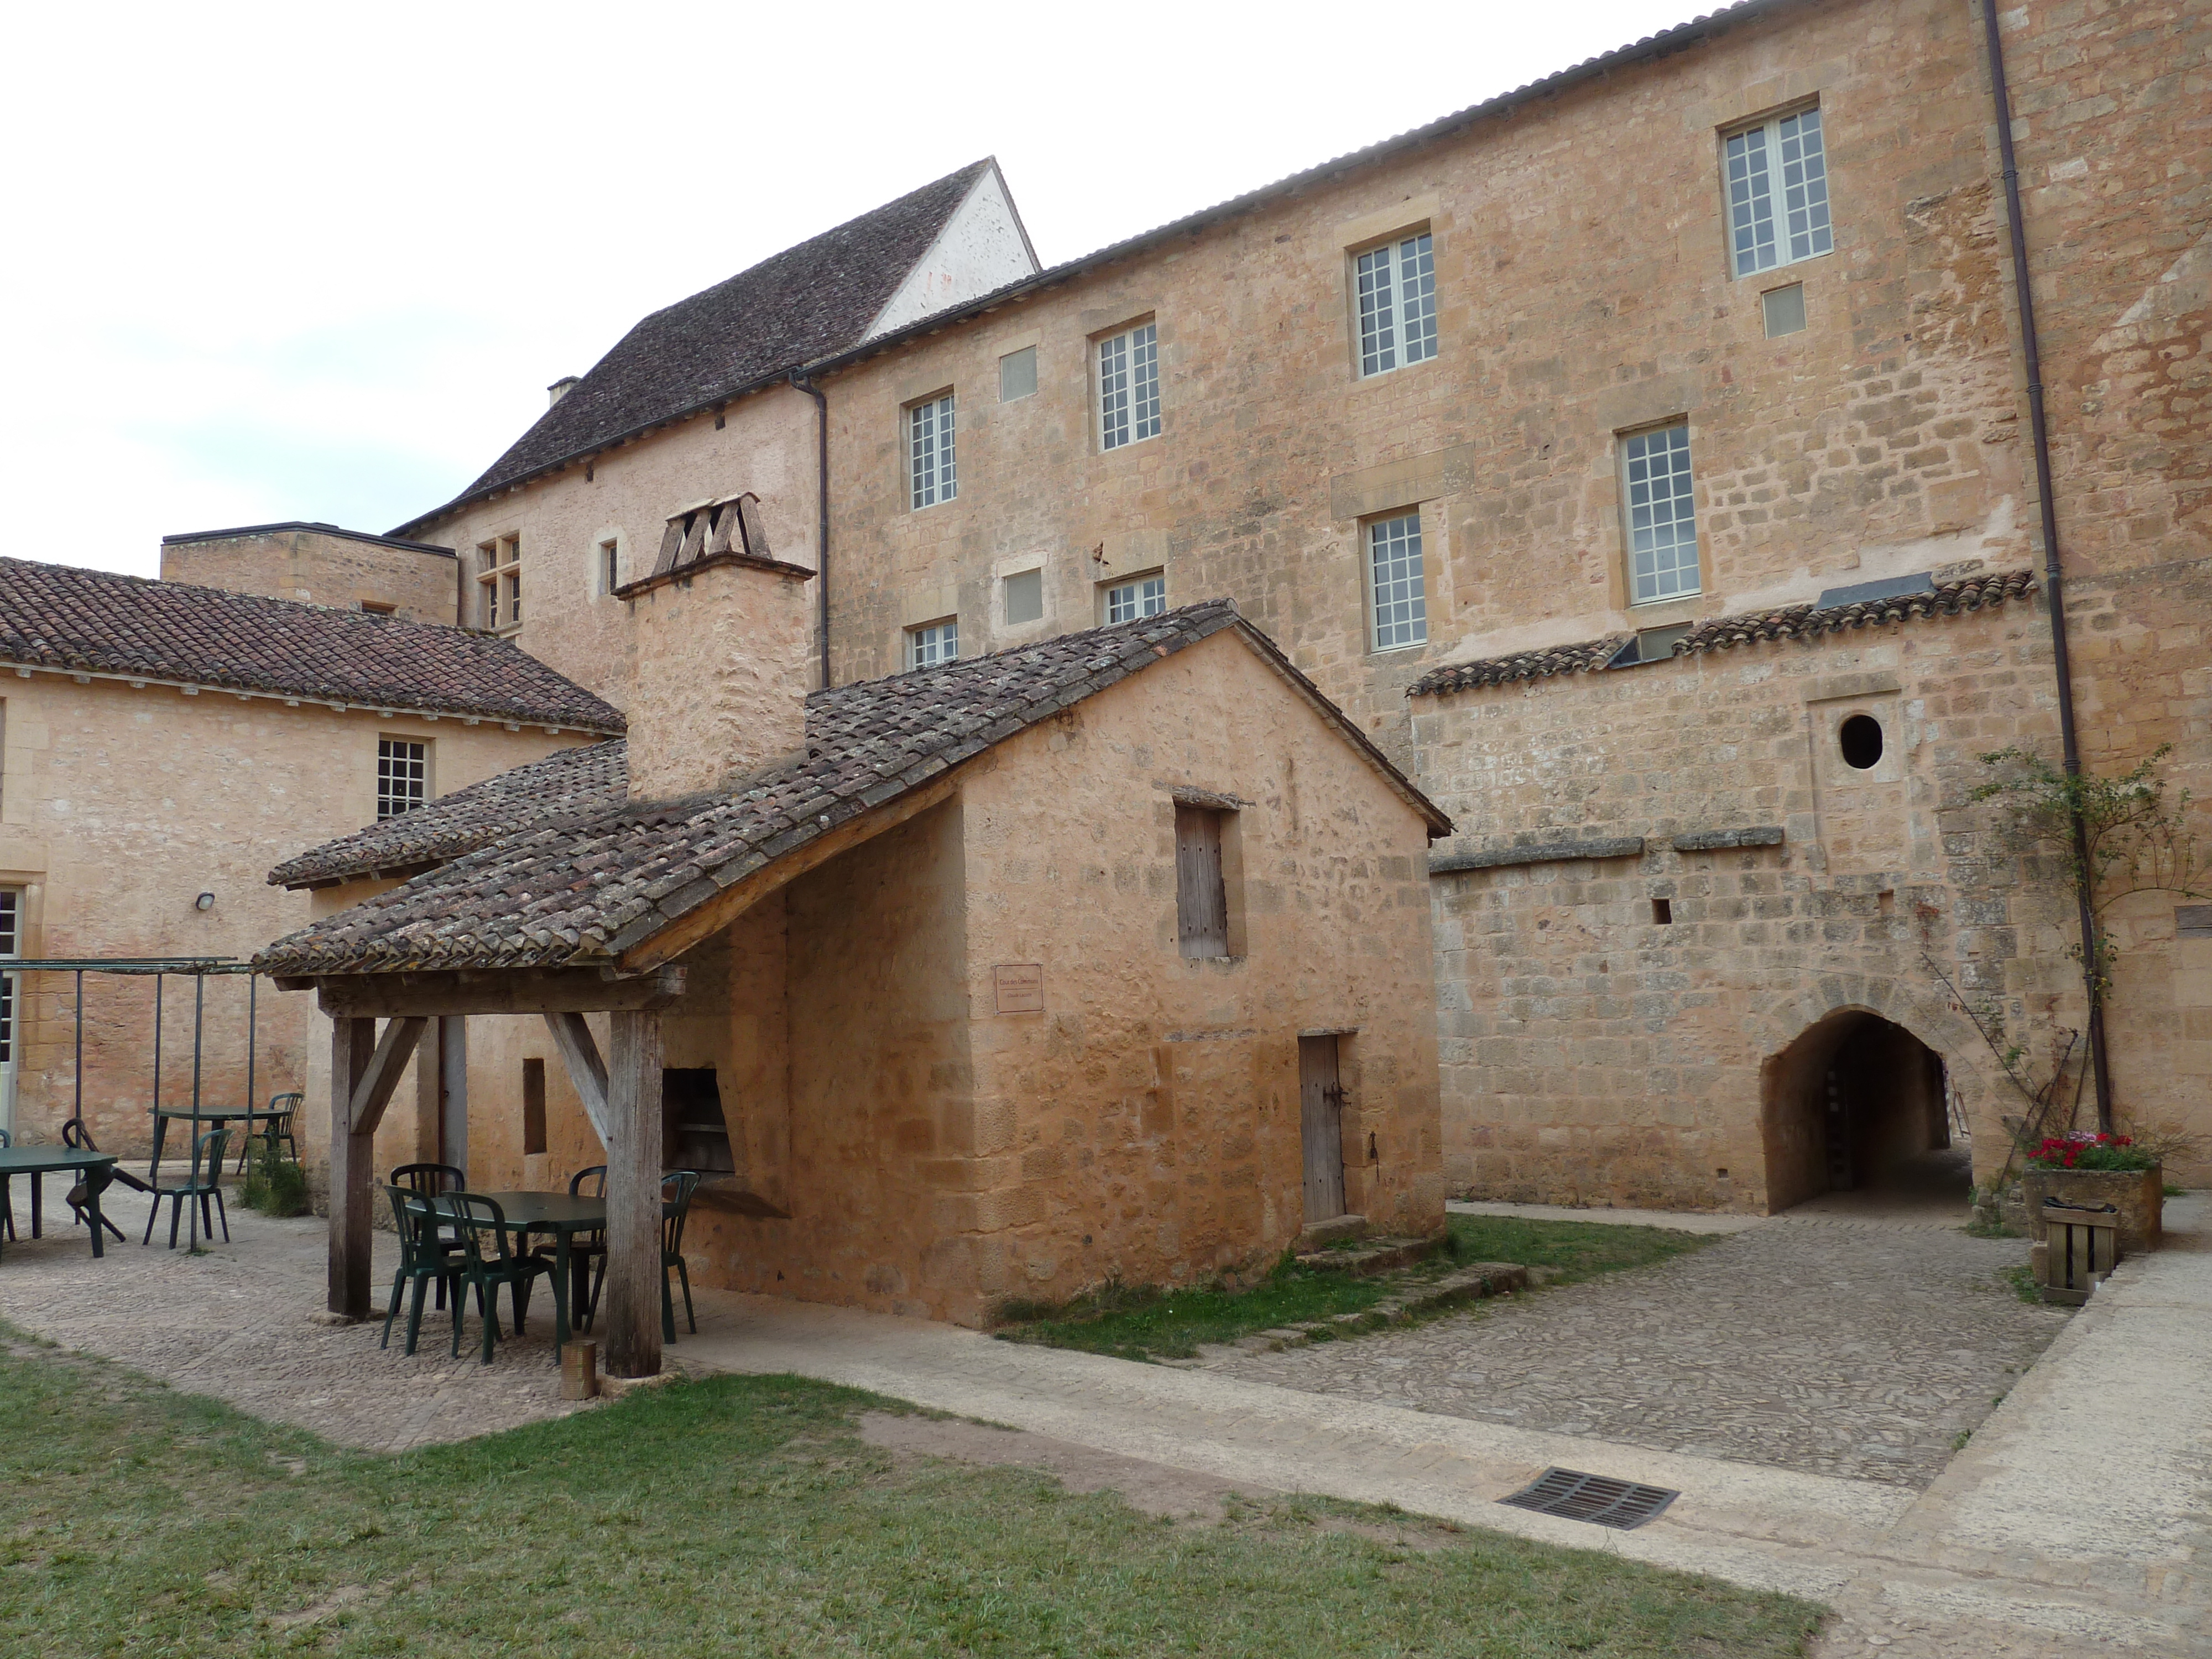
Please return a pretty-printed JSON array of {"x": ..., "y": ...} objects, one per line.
[
  {"x": 630, "y": 1309},
  {"x": 364, "y": 1071},
  {"x": 353, "y": 1045},
  {"x": 587, "y": 1071}
]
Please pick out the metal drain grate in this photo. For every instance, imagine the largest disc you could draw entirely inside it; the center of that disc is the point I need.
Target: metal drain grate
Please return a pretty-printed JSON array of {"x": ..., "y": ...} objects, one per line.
[{"x": 1597, "y": 1498}]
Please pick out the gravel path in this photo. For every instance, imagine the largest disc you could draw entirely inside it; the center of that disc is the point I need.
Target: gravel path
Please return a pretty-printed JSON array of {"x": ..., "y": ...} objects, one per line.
[{"x": 1829, "y": 1346}]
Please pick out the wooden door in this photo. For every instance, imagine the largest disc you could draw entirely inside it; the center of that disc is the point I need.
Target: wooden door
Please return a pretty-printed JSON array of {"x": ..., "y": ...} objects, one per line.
[{"x": 1321, "y": 1115}]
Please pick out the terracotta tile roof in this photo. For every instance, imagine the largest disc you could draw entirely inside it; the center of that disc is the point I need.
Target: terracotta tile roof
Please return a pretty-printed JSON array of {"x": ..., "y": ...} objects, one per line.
[
  {"x": 54, "y": 616},
  {"x": 585, "y": 781},
  {"x": 801, "y": 304},
  {"x": 1794, "y": 622},
  {"x": 569, "y": 892}
]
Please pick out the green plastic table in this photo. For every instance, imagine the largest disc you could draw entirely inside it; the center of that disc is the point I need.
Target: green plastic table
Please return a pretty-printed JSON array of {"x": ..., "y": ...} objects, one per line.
[
  {"x": 203, "y": 1114},
  {"x": 561, "y": 1214},
  {"x": 37, "y": 1162}
]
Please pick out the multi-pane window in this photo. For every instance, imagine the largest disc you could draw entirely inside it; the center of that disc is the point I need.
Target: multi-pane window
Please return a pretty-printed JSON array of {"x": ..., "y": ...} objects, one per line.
[
  {"x": 1394, "y": 581},
  {"x": 1144, "y": 596},
  {"x": 1777, "y": 185},
  {"x": 499, "y": 578},
  {"x": 11, "y": 944},
  {"x": 930, "y": 469},
  {"x": 402, "y": 776},
  {"x": 1663, "y": 523},
  {"x": 1397, "y": 287},
  {"x": 934, "y": 643},
  {"x": 1129, "y": 387}
]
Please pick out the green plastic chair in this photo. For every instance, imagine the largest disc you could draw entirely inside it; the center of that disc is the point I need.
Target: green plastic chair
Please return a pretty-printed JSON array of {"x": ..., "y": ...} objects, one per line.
[
  {"x": 205, "y": 1182},
  {"x": 435, "y": 1180},
  {"x": 76, "y": 1137},
  {"x": 676, "y": 1209},
  {"x": 487, "y": 1263},
  {"x": 425, "y": 1257},
  {"x": 275, "y": 1129},
  {"x": 590, "y": 1181}
]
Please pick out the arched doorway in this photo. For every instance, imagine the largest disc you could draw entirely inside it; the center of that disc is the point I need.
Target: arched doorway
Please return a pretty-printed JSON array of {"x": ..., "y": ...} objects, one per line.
[{"x": 1858, "y": 1104}]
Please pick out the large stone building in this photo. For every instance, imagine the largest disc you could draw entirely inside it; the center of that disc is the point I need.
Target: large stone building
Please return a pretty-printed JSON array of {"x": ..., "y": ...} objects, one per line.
[
  {"x": 164, "y": 742},
  {"x": 1647, "y": 460}
]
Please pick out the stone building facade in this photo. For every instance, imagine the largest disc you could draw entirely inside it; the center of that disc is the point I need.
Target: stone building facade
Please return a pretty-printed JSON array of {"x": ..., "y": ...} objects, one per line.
[{"x": 1593, "y": 308}]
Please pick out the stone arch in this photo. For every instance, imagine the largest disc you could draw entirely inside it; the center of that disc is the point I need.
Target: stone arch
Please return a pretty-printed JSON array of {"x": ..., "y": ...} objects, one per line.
[{"x": 1853, "y": 1009}]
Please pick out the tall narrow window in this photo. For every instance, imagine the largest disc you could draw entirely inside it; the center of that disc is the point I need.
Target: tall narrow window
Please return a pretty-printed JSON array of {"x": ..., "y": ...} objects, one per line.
[
  {"x": 1662, "y": 521},
  {"x": 1396, "y": 583},
  {"x": 533, "y": 1107},
  {"x": 934, "y": 643},
  {"x": 499, "y": 579},
  {"x": 11, "y": 944},
  {"x": 1397, "y": 285},
  {"x": 1144, "y": 596},
  {"x": 929, "y": 452},
  {"x": 1129, "y": 387},
  {"x": 610, "y": 564},
  {"x": 1201, "y": 894},
  {"x": 402, "y": 776},
  {"x": 1777, "y": 185}
]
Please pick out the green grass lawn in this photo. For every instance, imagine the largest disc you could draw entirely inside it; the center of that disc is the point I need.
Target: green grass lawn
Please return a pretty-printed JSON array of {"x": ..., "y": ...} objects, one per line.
[
  {"x": 1149, "y": 1322},
  {"x": 739, "y": 1516}
]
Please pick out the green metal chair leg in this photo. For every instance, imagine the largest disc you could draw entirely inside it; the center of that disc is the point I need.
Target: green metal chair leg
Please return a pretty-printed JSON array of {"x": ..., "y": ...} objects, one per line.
[{"x": 391, "y": 1306}]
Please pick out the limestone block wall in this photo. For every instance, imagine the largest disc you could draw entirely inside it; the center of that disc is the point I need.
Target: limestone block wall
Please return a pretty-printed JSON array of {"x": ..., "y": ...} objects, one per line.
[
  {"x": 322, "y": 566},
  {"x": 571, "y": 620},
  {"x": 1594, "y": 1053},
  {"x": 117, "y": 809}
]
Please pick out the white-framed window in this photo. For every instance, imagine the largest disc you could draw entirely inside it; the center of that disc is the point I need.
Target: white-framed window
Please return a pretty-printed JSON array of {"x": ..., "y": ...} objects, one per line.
[
  {"x": 1138, "y": 597},
  {"x": 1662, "y": 519},
  {"x": 11, "y": 944},
  {"x": 1777, "y": 192},
  {"x": 499, "y": 581},
  {"x": 932, "y": 643},
  {"x": 1397, "y": 290},
  {"x": 1396, "y": 583},
  {"x": 402, "y": 776},
  {"x": 931, "y": 474},
  {"x": 1129, "y": 387}
]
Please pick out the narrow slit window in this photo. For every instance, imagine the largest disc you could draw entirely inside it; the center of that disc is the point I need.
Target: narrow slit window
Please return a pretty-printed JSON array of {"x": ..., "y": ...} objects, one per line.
[
  {"x": 1129, "y": 387},
  {"x": 610, "y": 564},
  {"x": 1662, "y": 519},
  {"x": 1397, "y": 288},
  {"x": 402, "y": 776},
  {"x": 936, "y": 643},
  {"x": 1397, "y": 582},
  {"x": 533, "y": 1107},
  {"x": 1777, "y": 189},
  {"x": 1201, "y": 894},
  {"x": 929, "y": 452},
  {"x": 1143, "y": 596}
]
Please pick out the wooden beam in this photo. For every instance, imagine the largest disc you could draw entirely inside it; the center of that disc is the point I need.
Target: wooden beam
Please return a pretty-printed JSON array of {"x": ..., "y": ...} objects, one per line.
[
  {"x": 372, "y": 1092},
  {"x": 732, "y": 902},
  {"x": 353, "y": 1155},
  {"x": 629, "y": 1316},
  {"x": 488, "y": 991},
  {"x": 581, "y": 1055}
]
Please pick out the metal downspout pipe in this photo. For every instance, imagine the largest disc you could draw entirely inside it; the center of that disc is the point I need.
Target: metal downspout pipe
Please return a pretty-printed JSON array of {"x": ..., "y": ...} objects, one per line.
[
  {"x": 800, "y": 383},
  {"x": 2054, "y": 594}
]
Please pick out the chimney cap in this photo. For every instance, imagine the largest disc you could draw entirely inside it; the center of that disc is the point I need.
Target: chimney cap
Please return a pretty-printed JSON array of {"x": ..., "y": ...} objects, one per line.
[{"x": 561, "y": 388}]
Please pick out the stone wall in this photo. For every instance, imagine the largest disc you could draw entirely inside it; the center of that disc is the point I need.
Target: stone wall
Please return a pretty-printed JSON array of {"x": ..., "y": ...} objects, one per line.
[{"x": 322, "y": 565}]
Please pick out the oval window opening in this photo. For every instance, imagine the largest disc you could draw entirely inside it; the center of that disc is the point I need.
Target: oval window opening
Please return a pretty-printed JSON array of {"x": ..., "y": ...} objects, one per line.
[{"x": 1860, "y": 741}]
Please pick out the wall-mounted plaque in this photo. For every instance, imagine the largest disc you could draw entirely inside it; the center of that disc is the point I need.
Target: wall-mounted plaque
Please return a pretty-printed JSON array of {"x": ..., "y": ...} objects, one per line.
[{"x": 1020, "y": 986}]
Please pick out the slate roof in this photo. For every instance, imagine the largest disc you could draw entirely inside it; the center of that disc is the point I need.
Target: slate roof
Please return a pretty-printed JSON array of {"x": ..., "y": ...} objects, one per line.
[
  {"x": 585, "y": 781},
  {"x": 798, "y": 305},
  {"x": 580, "y": 893},
  {"x": 54, "y": 616},
  {"x": 1794, "y": 622}
]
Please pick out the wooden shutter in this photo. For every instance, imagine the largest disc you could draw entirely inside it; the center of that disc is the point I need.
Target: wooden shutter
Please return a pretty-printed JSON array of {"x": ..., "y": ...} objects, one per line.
[{"x": 1201, "y": 900}]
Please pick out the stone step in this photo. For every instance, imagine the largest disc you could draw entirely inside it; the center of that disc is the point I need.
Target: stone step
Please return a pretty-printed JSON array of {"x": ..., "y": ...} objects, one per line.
[{"x": 1373, "y": 1255}]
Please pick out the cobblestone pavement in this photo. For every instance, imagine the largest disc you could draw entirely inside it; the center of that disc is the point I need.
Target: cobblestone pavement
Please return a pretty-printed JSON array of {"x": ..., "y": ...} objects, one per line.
[
  {"x": 234, "y": 1323},
  {"x": 1828, "y": 1345}
]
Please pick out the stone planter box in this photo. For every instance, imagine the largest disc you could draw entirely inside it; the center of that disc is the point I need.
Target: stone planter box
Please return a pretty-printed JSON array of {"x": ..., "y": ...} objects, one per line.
[{"x": 2138, "y": 1194}]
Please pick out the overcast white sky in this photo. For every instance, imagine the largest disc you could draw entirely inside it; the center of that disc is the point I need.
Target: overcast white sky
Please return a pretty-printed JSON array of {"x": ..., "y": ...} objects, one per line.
[{"x": 320, "y": 262}]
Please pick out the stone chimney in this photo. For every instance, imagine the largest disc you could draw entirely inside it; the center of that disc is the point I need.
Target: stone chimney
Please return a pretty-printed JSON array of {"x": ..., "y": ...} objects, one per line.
[
  {"x": 561, "y": 388},
  {"x": 724, "y": 654}
]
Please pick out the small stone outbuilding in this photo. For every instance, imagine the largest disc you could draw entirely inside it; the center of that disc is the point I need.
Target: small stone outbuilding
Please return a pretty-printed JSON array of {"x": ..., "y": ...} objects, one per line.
[{"x": 1108, "y": 956}]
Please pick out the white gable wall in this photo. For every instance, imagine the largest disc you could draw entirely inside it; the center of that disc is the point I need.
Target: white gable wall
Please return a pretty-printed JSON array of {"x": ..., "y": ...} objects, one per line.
[{"x": 981, "y": 247}]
